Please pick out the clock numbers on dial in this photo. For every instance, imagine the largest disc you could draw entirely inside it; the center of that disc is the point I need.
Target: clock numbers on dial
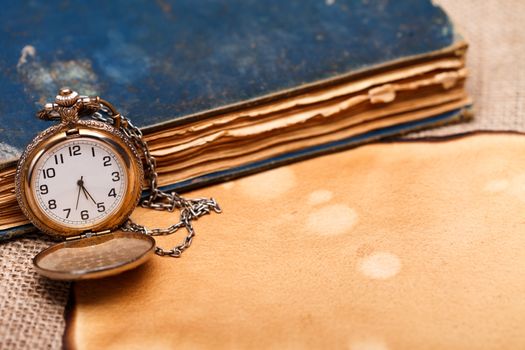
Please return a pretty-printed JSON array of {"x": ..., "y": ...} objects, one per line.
[
  {"x": 79, "y": 182},
  {"x": 49, "y": 173},
  {"x": 74, "y": 150},
  {"x": 107, "y": 160},
  {"x": 59, "y": 159}
]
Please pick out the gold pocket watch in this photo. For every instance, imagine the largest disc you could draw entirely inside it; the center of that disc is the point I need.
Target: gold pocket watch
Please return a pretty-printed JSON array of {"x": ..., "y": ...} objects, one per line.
[{"x": 81, "y": 179}]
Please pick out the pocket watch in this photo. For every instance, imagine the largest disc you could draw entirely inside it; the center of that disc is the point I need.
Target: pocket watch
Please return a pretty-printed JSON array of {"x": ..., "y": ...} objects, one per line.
[{"x": 80, "y": 180}]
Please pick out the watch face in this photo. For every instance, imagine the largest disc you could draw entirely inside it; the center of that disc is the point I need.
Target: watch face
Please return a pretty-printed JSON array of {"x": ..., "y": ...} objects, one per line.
[{"x": 79, "y": 182}]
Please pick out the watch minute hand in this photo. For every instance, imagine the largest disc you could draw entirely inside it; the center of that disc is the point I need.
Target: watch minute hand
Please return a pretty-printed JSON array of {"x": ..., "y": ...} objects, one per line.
[{"x": 78, "y": 195}]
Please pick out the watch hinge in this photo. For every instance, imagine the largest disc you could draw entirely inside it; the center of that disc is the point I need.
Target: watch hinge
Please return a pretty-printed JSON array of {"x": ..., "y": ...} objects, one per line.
[
  {"x": 88, "y": 235},
  {"x": 72, "y": 132}
]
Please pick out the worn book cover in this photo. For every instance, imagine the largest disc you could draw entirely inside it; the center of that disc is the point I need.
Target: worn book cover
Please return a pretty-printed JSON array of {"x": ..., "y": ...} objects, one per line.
[{"x": 226, "y": 88}]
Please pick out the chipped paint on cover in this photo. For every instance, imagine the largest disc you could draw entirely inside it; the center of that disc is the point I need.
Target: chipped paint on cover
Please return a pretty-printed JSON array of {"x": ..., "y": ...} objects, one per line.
[{"x": 162, "y": 61}]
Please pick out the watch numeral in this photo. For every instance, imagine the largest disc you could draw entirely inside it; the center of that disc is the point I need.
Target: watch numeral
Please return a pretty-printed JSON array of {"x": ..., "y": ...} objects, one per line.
[
  {"x": 59, "y": 158},
  {"x": 74, "y": 150},
  {"x": 101, "y": 207},
  {"x": 107, "y": 160},
  {"x": 93, "y": 151},
  {"x": 112, "y": 193},
  {"x": 52, "y": 204},
  {"x": 84, "y": 214},
  {"x": 44, "y": 189},
  {"x": 68, "y": 210},
  {"x": 49, "y": 173},
  {"x": 116, "y": 176}
]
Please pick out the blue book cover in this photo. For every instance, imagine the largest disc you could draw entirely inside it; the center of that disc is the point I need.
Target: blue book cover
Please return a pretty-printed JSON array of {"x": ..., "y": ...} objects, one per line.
[{"x": 169, "y": 63}]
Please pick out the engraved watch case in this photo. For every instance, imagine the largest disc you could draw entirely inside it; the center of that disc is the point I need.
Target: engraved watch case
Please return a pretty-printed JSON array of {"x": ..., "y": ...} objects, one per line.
[{"x": 88, "y": 129}]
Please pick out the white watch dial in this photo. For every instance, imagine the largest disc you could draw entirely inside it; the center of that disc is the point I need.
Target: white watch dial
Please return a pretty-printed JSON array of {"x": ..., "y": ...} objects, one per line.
[{"x": 79, "y": 182}]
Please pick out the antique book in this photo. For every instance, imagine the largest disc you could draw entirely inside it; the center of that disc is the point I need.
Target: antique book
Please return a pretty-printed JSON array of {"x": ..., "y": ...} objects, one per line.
[
  {"x": 389, "y": 253},
  {"x": 227, "y": 88}
]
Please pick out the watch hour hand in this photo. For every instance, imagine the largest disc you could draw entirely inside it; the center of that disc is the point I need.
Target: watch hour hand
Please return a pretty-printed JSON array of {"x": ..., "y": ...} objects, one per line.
[{"x": 86, "y": 193}]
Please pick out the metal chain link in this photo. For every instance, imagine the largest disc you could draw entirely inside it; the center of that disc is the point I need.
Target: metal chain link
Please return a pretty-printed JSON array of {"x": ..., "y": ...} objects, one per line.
[{"x": 190, "y": 209}]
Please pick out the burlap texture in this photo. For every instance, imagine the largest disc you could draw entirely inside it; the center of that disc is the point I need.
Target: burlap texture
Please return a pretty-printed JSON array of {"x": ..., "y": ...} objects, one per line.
[
  {"x": 32, "y": 307},
  {"x": 494, "y": 30}
]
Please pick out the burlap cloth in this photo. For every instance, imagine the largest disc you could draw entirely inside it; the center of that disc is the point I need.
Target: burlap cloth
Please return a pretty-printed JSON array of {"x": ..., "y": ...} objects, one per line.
[{"x": 32, "y": 307}]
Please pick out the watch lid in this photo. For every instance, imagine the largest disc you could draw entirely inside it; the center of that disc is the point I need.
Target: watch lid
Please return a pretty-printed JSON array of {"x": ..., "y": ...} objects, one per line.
[{"x": 94, "y": 257}]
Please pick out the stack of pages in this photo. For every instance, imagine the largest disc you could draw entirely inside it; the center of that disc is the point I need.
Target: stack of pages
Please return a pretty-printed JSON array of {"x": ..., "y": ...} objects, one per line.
[{"x": 387, "y": 98}]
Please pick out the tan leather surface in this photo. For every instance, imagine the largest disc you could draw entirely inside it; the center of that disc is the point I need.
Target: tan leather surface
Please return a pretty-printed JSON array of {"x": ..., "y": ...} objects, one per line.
[{"x": 389, "y": 246}]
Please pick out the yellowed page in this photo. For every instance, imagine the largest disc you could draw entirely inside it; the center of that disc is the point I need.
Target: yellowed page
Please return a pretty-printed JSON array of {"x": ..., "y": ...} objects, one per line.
[{"x": 415, "y": 245}]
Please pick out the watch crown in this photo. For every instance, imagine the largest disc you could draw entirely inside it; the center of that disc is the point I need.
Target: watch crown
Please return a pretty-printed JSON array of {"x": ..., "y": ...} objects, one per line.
[{"x": 66, "y": 97}]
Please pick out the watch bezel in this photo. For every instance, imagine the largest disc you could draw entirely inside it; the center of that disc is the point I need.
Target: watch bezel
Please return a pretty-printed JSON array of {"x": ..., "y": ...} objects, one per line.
[{"x": 53, "y": 136}]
